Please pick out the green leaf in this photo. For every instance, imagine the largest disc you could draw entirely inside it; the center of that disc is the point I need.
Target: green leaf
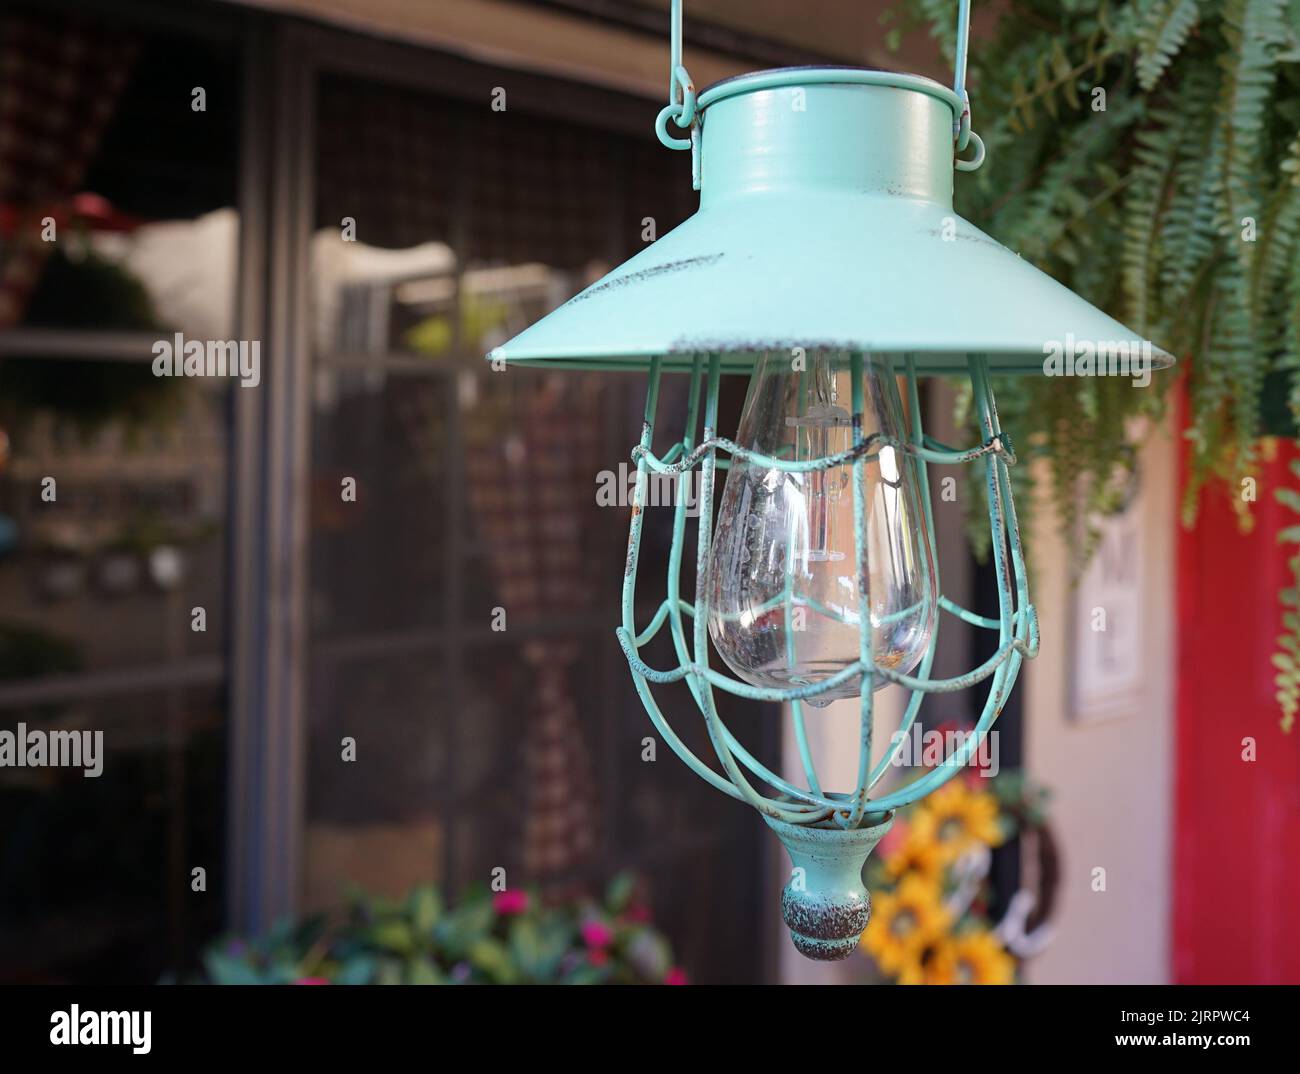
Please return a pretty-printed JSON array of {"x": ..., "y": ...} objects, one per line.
[
  {"x": 526, "y": 946},
  {"x": 459, "y": 930},
  {"x": 424, "y": 905},
  {"x": 1167, "y": 26},
  {"x": 393, "y": 935},
  {"x": 619, "y": 894},
  {"x": 493, "y": 959},
  {"x": 587, "y": 974},
  {"x": 538, "y": 947},
  {"x": 225, "y": 969},
  {"x": 423, "y": 971},
  {"x": 356, "y": 971}
]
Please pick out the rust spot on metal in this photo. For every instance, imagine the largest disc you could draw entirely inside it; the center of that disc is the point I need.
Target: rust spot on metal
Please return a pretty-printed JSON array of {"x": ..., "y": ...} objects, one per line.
[
  {"x": 821, "y": 916},
  {"x": 630, "y": 563},
  {"x": 632, "y": 278},
  {"x": 825, "y": 928}
]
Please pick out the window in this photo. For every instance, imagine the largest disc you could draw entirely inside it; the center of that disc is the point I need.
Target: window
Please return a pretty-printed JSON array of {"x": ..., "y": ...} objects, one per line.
[
  {"x": 463, "y": 607},
  {"x": 118, "y": 228},
  {"x": 391, "y": 229}
]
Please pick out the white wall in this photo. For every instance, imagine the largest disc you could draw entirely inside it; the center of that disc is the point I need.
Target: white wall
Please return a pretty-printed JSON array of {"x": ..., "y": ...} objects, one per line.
[{"x": 1112, "y": 781}]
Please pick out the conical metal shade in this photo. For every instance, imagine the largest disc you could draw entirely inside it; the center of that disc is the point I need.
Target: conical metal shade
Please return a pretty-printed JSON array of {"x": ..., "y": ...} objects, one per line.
[{"x": 825, "y": 220}]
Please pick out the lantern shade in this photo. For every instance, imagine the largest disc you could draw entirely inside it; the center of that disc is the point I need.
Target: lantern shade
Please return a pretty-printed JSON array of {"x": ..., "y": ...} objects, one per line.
[{"x": 825, "y": 221}]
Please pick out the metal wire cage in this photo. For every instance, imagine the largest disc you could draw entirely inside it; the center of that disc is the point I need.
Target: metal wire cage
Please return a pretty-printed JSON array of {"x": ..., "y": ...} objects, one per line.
[
  {"x": 1015, "y": 622},
  {"x": 811, "y": 821}
]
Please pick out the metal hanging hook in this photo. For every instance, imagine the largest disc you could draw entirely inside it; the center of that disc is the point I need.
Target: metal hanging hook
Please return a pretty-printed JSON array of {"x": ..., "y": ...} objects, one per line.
[
  {"x": 682, "y": 106},
  {"x": 961, "y": 124},
  {"x": 674, "y": 49},
  {"x": 681, "y": 90}
]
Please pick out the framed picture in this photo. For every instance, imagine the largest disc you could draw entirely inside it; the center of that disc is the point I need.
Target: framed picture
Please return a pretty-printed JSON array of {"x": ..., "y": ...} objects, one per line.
[{"x": 1108, "y": 651}]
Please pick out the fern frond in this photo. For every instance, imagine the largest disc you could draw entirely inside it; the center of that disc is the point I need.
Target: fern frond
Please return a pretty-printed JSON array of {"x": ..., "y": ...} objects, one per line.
[
  {"x": 1190, "y": 236},
  {"x": 1287, "y": 659},
  {"x": 1164, "y": 32},
  {"x": 1156, "y": 161},
  {"x": 1255, "y": 32}
]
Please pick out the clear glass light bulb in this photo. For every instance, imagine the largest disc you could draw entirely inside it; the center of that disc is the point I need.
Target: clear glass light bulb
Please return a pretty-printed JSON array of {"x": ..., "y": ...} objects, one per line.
[{"x": 783, "y": 578}]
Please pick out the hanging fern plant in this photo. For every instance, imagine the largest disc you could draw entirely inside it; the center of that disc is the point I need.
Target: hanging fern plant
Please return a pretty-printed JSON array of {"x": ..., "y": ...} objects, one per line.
[{"x": 1147, "y": 155}]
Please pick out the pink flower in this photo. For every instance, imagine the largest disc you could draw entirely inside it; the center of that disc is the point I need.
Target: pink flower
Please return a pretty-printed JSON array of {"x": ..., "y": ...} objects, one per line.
[
  {"x": 507, "y": 903},
  {"x": 676, "y": 976},
  {"x": 596, "y": 935},
  {"x": 311, "y": 981}
]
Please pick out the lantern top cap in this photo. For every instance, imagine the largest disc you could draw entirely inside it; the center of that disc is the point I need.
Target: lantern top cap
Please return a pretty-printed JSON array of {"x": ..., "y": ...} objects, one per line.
[
  {"x": 826, "y": 221},
  {"x": 823, "y": 75}
]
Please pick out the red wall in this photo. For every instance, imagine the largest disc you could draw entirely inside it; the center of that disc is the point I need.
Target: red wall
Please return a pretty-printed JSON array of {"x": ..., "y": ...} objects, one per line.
[{"x": 1237, "y": 836}]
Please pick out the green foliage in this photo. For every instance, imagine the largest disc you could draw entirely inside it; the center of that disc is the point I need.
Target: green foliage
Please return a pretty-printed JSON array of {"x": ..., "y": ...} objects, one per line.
[
  {"x": 1163, "y": 33},
  {"x": 513, "y": 937},
  {"x": 1287, "y": 658},
  {"x": 1173, "y": 203}
]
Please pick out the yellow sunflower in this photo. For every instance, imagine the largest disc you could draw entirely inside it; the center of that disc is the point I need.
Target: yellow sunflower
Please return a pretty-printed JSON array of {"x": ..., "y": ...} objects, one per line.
[
  {"x": 903, "y": 922},
  {"x": 957, "y": 818},
  {"x": 974, "y": 957},
  {"x": 919, "y": 852}
]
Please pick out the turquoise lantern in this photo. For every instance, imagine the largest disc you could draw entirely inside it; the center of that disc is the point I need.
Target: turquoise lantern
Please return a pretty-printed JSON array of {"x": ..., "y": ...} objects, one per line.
[{"x": 827, "y": 264}]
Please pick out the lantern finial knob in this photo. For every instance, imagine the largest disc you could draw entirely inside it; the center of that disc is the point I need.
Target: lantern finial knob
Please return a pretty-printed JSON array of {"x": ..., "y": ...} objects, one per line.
[{"x": 824, "y": 904}]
